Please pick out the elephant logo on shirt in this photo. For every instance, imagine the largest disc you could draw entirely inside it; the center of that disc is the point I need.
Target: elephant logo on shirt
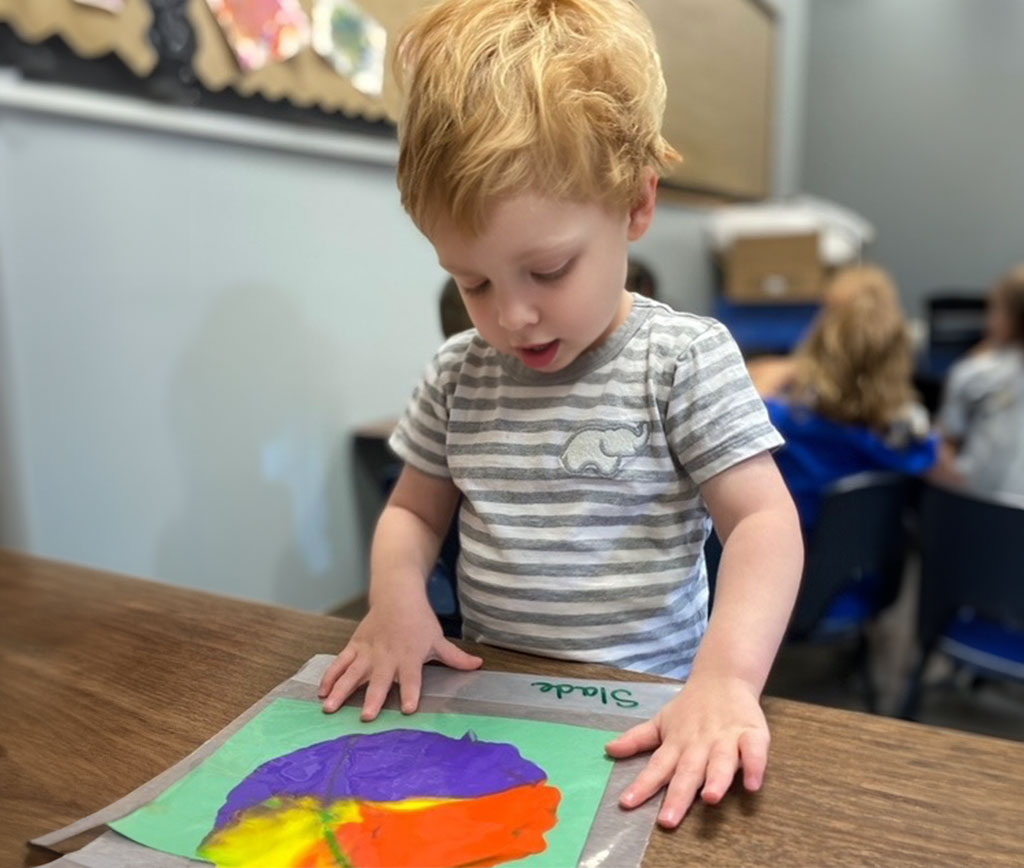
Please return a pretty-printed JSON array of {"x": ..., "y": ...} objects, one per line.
[{"x": 602, "y": 451}]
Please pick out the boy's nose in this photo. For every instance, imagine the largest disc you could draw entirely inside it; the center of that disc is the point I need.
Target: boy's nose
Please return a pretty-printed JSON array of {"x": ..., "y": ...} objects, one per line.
[{"x": 516, "y": 313}]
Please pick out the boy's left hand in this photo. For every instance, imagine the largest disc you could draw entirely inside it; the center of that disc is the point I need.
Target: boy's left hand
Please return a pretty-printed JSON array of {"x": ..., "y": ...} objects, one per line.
[{"x": 701, "y": 737}]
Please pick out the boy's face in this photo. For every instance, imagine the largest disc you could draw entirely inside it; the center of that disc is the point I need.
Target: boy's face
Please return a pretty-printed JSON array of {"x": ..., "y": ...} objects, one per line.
[{"x": 544, "y": 281}]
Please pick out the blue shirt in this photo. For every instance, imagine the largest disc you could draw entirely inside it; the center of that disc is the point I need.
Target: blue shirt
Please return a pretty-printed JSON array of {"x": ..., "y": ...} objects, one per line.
[{"x": 820, "y": 452}]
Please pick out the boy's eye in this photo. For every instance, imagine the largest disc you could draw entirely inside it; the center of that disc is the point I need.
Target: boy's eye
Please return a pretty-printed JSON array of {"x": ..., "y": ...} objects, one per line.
[
  {"x": 478, "y": 288},
  {"x": 552, "y": 276}
]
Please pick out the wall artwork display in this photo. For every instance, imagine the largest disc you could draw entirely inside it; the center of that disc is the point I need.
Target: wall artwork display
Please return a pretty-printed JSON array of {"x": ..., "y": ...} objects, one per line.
[
  {"x": 262, "y": 31},
  {"x": 352, "y": 41},
  {"x": 107, "y": 5}
]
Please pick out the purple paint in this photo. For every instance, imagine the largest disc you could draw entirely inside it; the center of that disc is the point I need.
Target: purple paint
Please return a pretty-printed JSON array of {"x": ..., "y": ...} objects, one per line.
[{"x": 385, "y": 767}]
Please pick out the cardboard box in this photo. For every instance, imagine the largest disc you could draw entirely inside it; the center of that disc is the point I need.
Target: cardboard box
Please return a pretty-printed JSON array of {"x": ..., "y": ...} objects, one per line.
[{"x": 773, "y": 270}]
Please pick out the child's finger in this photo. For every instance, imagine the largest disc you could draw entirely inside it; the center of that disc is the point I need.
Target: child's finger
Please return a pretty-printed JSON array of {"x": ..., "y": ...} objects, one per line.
[
  {"x": 682, "y": 790},
  {"x": 344, "y": 686},
  {"x": 644, "y": 736},
  {"x": 410, "y": 680},
  {"x": 452, "y": 655},
  {"x": 721, "y": 770},
  {"x": 655, "y": 775},
  {"x": 381, "y": 681},
  {"x": 754, "y": 757},
  {"x": 338, "y": 665}
]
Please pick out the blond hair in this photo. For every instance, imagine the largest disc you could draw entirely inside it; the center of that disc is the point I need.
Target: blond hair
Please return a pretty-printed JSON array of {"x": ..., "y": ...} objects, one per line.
[
  {"x": 856, "y": 364},
  {"x": 563, "y": 98},
  {"x": 1010, "y": 293}
]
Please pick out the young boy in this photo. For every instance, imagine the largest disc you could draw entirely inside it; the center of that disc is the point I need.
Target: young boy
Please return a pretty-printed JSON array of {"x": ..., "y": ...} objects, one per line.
[{"x": 590, "y": 432}]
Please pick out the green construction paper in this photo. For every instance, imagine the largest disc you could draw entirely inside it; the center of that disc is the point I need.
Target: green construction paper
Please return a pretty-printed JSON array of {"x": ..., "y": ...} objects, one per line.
[{"x": 573, "y": 757}]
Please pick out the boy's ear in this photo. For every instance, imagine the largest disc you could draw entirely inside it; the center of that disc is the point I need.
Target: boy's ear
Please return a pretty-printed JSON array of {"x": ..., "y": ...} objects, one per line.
[{"x": 641, "y": 215}]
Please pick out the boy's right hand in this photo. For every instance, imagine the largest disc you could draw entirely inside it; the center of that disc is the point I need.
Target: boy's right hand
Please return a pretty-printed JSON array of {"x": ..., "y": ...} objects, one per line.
[{"x": 390, "y": 644}]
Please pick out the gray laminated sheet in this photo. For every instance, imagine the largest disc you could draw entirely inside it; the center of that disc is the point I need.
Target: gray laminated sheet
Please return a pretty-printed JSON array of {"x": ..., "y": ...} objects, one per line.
[{"x": 617, "y": 837}]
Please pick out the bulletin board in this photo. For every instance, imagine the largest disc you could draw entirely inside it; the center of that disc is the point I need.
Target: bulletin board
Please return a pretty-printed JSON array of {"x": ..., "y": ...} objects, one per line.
[
  {"x": 719, "y": 62},
  {"x": 89, "y": 30},
  {"x": 305, "y": 79},
  {"x": 718, "y": 57}
]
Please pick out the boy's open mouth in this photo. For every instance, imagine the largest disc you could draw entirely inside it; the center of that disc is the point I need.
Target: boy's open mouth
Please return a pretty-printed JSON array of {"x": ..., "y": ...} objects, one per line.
[{"x": 539, "y": 355}]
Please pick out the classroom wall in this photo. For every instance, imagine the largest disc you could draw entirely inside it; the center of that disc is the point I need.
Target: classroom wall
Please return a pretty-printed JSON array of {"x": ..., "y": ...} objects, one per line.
[
  {"x": 792, "y": 17},
  {"x": 12, "y": 525},
  {"x": 676, "y": 245},
  {"x": 914, "y": 118},
  {"x": 190, "y": 330}
]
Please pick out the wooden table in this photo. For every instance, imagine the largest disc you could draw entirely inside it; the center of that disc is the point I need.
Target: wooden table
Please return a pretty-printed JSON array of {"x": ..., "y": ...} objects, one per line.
[{"x": 106, "y": 681}]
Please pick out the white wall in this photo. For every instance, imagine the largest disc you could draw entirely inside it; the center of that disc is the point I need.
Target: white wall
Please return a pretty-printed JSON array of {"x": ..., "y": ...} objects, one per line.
[
  {"x": 190, "y": 331},
  {"x": 915, "y": 119},
  {"x": 790, "y": 95}
]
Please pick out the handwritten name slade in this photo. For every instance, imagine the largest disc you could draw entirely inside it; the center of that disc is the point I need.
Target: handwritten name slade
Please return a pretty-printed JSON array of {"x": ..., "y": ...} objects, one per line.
[{"x": 621, "y": 696}]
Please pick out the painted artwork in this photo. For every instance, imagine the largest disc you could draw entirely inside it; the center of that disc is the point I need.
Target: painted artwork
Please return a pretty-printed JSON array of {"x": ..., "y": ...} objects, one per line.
[
  {"x": 360, "y": 800},
  {"x": 262, "y": 31},
  {"x": 114, "y": 6},
  {"x": 352, "y": 41},
  {"x": 420, "y": 790}
]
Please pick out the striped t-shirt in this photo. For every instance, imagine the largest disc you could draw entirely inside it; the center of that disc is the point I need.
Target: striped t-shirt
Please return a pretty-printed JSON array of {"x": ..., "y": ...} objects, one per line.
[{"x": 582, "y": 525}]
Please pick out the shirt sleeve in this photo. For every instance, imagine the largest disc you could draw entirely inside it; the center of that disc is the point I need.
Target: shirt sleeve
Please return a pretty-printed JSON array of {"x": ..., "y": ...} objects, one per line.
[
  {"x": 955, "y": 410},
  {"x": 715, "y": 418},
  {"x": 420, "y": 439}
]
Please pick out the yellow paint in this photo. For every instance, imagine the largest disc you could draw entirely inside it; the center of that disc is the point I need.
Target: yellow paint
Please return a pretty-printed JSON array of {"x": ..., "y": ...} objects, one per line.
[
  {"x": 411, "y": 804},
  {"x": 271, "y": 838}
]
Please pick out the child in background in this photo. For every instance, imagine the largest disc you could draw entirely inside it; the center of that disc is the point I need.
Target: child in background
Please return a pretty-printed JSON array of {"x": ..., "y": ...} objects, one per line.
[
  {"x": 982, "y": 413},
  {"x": 845, "y": 401},
  {"x": 589, "y": 431}
]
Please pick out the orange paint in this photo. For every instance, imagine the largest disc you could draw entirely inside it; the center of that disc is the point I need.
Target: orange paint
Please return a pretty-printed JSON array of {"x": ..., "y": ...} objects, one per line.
[{"x": 483, "y": 831}]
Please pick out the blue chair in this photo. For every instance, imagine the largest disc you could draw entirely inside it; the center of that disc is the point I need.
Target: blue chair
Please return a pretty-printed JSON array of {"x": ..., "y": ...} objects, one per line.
[
  {"x": 971, "y": 606},
  {"x": 442, "y": 586},
  {"x": 956, "y": 323},
  {"x": 765, "y": 328},
  {"x": 855, "y": 557},
  {"x": 853, "y": 564}
]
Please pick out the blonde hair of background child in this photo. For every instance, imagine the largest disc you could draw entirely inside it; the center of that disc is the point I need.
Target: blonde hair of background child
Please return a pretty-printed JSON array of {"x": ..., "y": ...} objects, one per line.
[
  {"x": 1009, "y": 294},
  {"x": 562, "y": 98},
  {"x": 856, "y": 364}
]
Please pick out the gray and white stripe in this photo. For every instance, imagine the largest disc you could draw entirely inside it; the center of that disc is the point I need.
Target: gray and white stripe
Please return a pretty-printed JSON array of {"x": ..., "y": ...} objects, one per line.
[{"x": 582, "y": 525}]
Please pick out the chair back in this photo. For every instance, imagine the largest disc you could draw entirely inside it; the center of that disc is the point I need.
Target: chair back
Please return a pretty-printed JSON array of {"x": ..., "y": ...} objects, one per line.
[
  {"x": 956, "y": 323},
  {"x": 972, "y": 554},
  {"x": 860, "y": 536}
]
